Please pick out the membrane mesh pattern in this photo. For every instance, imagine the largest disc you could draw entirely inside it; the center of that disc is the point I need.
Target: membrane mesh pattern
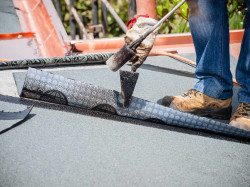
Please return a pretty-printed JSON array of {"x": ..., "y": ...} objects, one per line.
[{"x": 38, "y": 84}]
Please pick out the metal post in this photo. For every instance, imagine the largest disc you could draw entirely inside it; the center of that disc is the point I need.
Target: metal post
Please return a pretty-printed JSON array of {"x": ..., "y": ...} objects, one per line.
[
  {"x": 72, "y": 22},
  {"x": 131, "y": 8},
  {"x": 74, "y": 12},
  {"x": 95, "y": 16},
  {"x": 80, "y": 31},
  {"x": 58, "y": 6},
  {"x": 104, "y": 19},
  {"x": 115, "y": 15}
]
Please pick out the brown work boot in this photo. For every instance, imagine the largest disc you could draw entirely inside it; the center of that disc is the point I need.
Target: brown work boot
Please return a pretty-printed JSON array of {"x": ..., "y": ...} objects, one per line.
[
  {"x": 241, "y": 117},
  {"x": 197, "y": 103}
]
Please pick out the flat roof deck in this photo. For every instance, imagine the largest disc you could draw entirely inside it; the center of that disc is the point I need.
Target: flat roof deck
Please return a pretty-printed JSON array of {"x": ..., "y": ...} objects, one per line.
[{"x": 81, "y": 147}]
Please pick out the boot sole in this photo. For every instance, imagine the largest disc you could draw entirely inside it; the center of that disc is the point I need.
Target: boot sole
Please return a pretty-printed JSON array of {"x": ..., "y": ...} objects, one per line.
[{"x": 216, "y": 113}]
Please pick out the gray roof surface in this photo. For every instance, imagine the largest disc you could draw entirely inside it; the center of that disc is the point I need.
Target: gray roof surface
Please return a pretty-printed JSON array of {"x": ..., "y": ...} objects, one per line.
[
  {"x": 8, "y": 18},
  {"x": 59, "y": 146}
]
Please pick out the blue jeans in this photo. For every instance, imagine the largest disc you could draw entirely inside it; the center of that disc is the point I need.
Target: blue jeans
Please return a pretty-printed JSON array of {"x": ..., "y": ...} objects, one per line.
[{"x": 208, "y": 21}]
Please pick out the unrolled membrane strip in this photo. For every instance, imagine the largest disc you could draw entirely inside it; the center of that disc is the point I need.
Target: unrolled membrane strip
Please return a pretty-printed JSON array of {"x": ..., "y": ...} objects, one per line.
[
  {"x": 56, "y": 61},
  {"x": 13, "y": 117},
  {"x": 48, "y": 87}
]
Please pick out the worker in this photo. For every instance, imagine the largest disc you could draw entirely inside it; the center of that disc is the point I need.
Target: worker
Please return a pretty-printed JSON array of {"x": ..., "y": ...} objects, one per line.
[{"x": 211, "y": 96}]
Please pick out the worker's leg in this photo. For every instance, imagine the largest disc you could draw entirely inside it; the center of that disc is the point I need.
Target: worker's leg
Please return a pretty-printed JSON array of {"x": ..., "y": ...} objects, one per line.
[
  {"x": 241, "y": 117},
  {"x": 212, "y": 94},
  {"x": 146, "y": 7},
  {"x": 243, "y": 66},
  {"x": 210, "y": 31}
]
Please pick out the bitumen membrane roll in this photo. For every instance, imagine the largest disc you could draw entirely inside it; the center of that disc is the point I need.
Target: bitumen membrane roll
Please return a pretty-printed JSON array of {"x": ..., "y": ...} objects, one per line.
[
  {"x": 48, "y": 87},
  {"x": 56, "y": 61}
]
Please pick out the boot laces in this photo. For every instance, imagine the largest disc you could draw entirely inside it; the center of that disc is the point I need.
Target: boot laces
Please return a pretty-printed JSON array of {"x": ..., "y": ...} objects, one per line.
[
  {"x": 190, "y": 93},
  {"x": 243, "y": 109}
]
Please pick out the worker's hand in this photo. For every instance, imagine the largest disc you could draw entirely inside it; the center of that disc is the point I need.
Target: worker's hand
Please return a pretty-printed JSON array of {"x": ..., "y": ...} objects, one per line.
[{"x": 141, "y": 26}]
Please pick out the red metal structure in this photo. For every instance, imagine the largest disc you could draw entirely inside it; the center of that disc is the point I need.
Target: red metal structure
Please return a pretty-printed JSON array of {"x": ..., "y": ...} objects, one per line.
[{"x": 43, "y": 35}]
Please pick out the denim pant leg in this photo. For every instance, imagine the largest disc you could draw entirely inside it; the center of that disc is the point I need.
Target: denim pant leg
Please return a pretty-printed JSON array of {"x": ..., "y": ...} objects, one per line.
[
  {"x": 243, "y": 66},
  {"x": 208, "y": 21}
]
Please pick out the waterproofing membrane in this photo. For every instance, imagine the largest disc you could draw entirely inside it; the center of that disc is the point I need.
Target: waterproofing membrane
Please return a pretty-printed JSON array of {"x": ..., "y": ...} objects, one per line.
[
  {"x": 56, "y": 61},
  {"x": 48, "y": 87},
  {"x": 15, "y": 115},
  {"x": 13, "y": 118}
]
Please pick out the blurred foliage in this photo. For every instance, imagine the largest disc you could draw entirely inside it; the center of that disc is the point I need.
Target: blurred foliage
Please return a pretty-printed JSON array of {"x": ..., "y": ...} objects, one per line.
[
  {"x": 84, "y": 8},
  {"x": 236, "y": 11},
  {"x": 121, "y": 8},
  {"x": 176, "y": 23}
]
